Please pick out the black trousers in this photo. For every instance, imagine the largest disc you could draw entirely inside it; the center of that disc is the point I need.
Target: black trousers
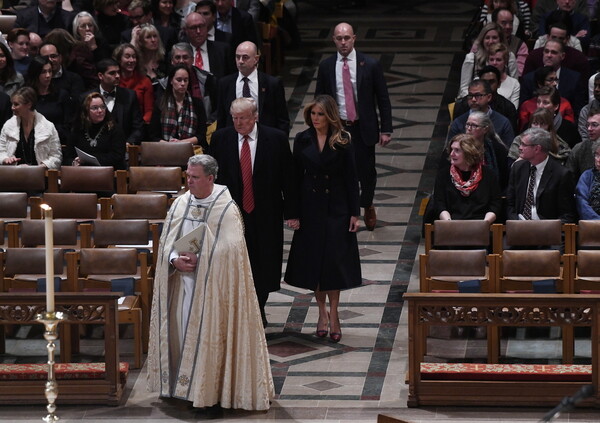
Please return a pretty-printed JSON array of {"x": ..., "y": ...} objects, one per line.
[
  {"x": 253, "y": 245},
  {"x": 364, "y": 156}
]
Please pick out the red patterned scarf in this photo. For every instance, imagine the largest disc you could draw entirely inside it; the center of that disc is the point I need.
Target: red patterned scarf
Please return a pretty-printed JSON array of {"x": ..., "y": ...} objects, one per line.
[{"x": 468, "y": 186}]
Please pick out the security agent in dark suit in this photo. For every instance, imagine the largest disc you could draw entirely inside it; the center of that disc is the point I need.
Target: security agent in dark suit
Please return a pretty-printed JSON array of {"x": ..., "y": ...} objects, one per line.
[
  {"x": 370, "y": 93},
  {"x": 266, "y": 90},
  {"x": 43, "y": 17},
  {"x": 552, "y": 189},
  {"x": 273, "y": 190},
  {"x": 121, "y": 102}
]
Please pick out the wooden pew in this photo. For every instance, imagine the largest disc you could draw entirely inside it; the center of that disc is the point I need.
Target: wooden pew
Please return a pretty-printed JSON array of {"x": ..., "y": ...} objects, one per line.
[
  {"x": 81, "y": 308},
  {"x": 500, "y": 384}
]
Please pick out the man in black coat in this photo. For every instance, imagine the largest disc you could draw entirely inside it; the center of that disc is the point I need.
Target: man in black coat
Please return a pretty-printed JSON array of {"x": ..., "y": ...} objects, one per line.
[
  {"x": 369, "y": 94},
  {"x": 122, "y": 103},
  {"x": 208, "y": 9},
  {"x": 62, "y": 78},
  {"x": 267, "y": 199},
  {"x": 552, "y": 184},
  {"x": 44, "y": 17},
  {"x": 266, "y": 90},
  {"x": 239, "y": 23},
  {"x": 212, "y": 56}
]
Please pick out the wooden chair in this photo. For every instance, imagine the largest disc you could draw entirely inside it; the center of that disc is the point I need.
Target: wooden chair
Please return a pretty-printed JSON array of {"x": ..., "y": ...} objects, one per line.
[
  {"x": 151, "y": 206},
  {"x": 68, "y": 234},
  {"x": 98, "y": 268},
  {"x": 14, "y": 206},
  {"x": 168, "y": 180},
  {"x": 160, "y": 154},
  {"x": 457, "y": 234},
  {"x": 518, "y": 269},
  {"x": 80, "y": 206},
  {"x": 93, "y": 179},
  {"x": 528, "y": 233},
  {"x": 585, "y": 263},
  {"x": 30, "y": 179}
]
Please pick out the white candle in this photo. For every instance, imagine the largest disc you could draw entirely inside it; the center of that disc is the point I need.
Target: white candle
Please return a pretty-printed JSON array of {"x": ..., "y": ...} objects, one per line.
[{"x": 49, "y": 258}]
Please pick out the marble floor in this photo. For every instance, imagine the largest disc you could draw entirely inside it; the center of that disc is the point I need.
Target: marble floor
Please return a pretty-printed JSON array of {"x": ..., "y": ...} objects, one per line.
[{"x": 418, "y": 44}]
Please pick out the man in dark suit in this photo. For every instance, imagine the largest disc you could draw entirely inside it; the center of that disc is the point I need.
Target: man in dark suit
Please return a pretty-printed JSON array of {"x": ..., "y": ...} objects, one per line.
[
  {"x": 265, "y": 191},
  {"x": 266, "y": 90},
  {"x": 62, "y": 78},
  {"x": 359, "y": 115},
  {"x": 44, "y": 17},
  {"x": 571, "y": 84},
  {"x": 208, "y": 9},
  {"x": 239, "y": 23},
  {"x": 212, "y": 56},
  {"x": 539, "y": 187},
  {"x": 122, "y": 103},
  {"x": 140, "y": 12}
]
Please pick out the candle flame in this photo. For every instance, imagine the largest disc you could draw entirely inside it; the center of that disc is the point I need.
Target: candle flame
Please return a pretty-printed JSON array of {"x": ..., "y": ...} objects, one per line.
[{"x": 46, "y": 207}]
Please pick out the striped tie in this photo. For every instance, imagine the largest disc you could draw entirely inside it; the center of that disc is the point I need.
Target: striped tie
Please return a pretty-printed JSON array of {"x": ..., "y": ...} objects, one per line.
[
  {"x": 246, "y": 167},
  {"x": 530, "y": 198}
]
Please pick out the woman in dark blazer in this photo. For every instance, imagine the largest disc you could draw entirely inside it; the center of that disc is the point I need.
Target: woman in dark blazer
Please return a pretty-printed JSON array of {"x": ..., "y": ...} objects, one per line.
[
  {"x": 96, "y": 133},
  {"x": 177, "y": 116},
  {"x": 324, "y": 253}
]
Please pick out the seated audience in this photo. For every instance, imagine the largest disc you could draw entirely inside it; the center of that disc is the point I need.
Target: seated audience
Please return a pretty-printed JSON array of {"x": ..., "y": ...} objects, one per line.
[
  {"x": 164, "y": 14},
  {"x": 42, "y": 17},
  {"x": 96, "y": 133},
  {"x": 544, "y": 76},
  {"x": 177, "y": 116},
  {"x": 558, "y": 30},
  {"x": 152, "y": 53},
  {"x": 505, "y": 19},
  {"x": 140, "y": 13},
  {"x": 479, "y": 96},
  {"x": 587, "y": 192},
  {"x": 582, "y": 156},
  {"x": 466, "y": 188},
  {"x": 509, "y": 87},
  {"x": 573, "y": 60},
  {"x": 593, "y": 104},
  {"x": 519, "y": 8},
  {"x": 52, "y": 102},
  {"x": 110, "y": 21},
  {"x": 86, "y": 30},
  {"x": 61, "y": 77},
  {"x": 28, "y": 138},
  {"x": 127, "y": 57},
  {"x": 10, "y": 79},
  {"x": 544, "y": 118},
  {"x": 549, "y": 98},
  {"x": 580, "y": 24},
  {"x": 18, "y": 41},
  {"x": 478, "y": 57},
  {"x": 539, "y": 187}
]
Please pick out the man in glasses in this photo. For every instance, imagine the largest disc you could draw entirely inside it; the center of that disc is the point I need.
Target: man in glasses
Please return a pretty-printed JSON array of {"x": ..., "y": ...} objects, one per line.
[
  {"x": 500, "y": 104},
  {"x": 539, "y": 187},
  {"x": 479, "y": 99},
  {"x": 582, "y": 156},
  {"x": 140, "y": 13},
  {"x": 593, "y": 104},
  {"x": 62, "y": 78}
]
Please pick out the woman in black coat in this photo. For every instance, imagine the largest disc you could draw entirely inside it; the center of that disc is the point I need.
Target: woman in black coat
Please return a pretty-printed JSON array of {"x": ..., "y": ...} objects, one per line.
[
  {"x": 96, "y": 133},
  {"x": 324, "y": 254}
]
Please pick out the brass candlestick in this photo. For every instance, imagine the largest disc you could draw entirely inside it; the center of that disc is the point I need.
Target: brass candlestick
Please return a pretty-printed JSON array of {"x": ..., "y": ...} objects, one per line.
[{"x": 51, "y": 322}]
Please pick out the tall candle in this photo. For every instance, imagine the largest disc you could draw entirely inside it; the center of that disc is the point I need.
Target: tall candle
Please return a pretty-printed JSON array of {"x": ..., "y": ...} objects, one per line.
[{"x": 49, "y": 234}]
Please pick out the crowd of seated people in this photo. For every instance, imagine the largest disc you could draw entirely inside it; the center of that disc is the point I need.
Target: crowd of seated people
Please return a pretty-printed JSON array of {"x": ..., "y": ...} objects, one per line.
[
  {"x": 544, "y": 160},
  {"x": 105, "y": 73}
]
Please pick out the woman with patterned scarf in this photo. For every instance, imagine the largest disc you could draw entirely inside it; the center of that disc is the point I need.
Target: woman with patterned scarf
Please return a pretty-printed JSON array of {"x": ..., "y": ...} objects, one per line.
[
  {"x": 177, "y": 116},
  {"x": 587, "y": 193},
  {"x": 466, "y": 189}
]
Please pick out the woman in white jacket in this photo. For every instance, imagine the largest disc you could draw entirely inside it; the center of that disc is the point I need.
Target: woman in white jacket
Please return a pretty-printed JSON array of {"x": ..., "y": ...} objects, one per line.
[{"x": 28, "y": 138}]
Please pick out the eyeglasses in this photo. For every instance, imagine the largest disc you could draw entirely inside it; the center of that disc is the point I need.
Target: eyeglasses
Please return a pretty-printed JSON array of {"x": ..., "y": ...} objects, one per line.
[
  {"x": 86, "y": 25},
  {"x": 51, "y": 56},
  {"x": 551, "y": 79},
  {"x": 97, "y": 108},
  {"x": 593, "y": 124},
  {"x": 527, "y": 145},
  {"x": 476, "y": 96},
  {"x": 470, "y": 125},
  {"x": 196, "y": 27}
]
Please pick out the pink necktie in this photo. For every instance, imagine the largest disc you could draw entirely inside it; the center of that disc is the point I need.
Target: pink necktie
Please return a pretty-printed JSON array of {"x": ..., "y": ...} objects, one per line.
[
  {"x": 348, "y": 91},
  {"x": 246, "y": 167},
  {"x": 198, "y": 62}
]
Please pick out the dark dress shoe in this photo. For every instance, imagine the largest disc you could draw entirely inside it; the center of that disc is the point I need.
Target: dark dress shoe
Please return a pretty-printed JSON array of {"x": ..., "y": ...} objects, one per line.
[{"x": 370, "y": 217}]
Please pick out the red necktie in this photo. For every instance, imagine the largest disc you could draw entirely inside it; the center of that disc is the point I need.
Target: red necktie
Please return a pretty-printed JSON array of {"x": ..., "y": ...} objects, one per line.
[
  {"x": 246, "y": 167},
  {"x": 348, "y": 91},
  {"x": 198, "y": 62}
]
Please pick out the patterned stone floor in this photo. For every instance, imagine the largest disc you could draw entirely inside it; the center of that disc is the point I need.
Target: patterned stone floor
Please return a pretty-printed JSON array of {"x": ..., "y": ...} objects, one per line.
[{"x": 418, "y": 44}]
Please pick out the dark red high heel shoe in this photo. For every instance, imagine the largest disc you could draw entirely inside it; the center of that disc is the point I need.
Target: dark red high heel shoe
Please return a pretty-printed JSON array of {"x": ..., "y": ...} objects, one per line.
[
  {"x": 336, "y": 336},
  {"x": 322, "y": 333}
]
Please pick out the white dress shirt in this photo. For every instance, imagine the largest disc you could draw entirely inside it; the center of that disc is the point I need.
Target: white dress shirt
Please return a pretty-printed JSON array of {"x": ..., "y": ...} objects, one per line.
[
  {"x": 252, "y": 83},
  {"x": 204, "y": 53}
]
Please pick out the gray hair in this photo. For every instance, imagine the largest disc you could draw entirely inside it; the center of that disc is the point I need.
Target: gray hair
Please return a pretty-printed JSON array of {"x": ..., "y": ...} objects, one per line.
[
  {"x": 183, "y": 47},
  {"x": 208, "y": 163},
  {"x": 484, "y": 120},
  {"x": 595, "y": 146},
  {"x": 538, "y": 136},
  {"x": 76, "y": 20},
  {"x": 243, "y": 104}
]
